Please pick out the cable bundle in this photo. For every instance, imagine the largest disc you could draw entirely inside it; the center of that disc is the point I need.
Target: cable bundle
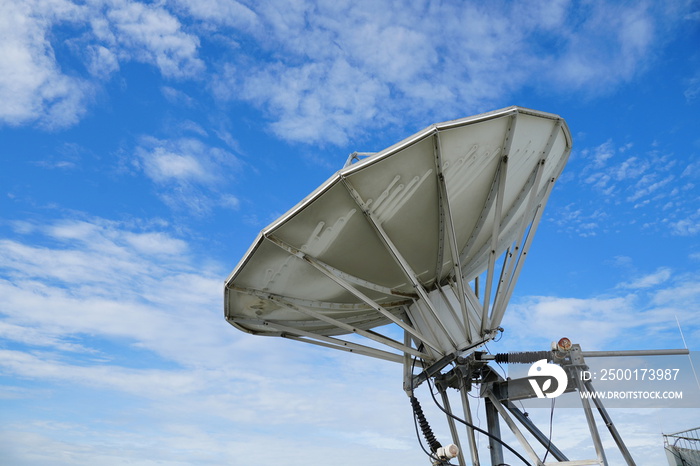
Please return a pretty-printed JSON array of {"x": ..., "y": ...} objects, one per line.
[{"x": 424, "y": 426}]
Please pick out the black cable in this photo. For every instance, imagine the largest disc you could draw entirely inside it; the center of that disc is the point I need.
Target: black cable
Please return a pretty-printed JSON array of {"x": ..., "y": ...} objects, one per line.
[
  {"x": 424, "y": 426},
  {"x": 434, "y": 444},
  {"x": 520, "y": 457},
  {"x": 488, "y": 350},
  {"x": 551, "y": 422},
  {"x": 478, "y": 419},
  {"x": 432, "y": 455},
  {"x": 415, "y": 421},
  {"x": 500, "y": 334}
]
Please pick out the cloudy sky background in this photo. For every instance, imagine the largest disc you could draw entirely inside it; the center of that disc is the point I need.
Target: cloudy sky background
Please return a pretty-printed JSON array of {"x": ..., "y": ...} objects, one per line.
[{"x": 144, "y": 144}]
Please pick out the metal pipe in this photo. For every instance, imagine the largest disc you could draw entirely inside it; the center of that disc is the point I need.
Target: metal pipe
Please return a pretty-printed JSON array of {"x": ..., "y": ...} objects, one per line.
[
  {"x": 464, "y": 393},
  {"x": 494, "y": 429},
  {"x": 611, "y": 427},
  {"x": 453, "y": 426},
  {"x": 609, "y": 354}
]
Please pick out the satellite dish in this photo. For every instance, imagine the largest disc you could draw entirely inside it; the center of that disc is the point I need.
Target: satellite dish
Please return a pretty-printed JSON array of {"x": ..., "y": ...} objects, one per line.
[
  {"x": 427, "y": 239},
  {"x": 410, "y": 236}
]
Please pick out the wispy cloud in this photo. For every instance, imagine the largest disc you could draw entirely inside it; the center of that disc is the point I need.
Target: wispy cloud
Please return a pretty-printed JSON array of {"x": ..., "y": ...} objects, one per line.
[
  {"x": 638, "y": 311},
  {"x": 152, "y": 383},
  {"x": 32, "y": 86},
  {"x": 651, "y": 182},
  {"x": 189, "y": 174},
  {"x": 573, "y": 219},
  {"x": 322, "y": 72},
  {"x": 340, "y": 69},
  {"x": 135, "y": 283},
  {"x": 688, "y": 226},
  {"x": 620, "y": 34},
  {"x": 162, "y": 166},
  {"x": 647, "y": 281},
  {"x": 150, "y": 34},
  {"x": 178, "y": 362},
  {"x": 76, "y": 288},
  {"x": 693, "y": 90},
  {"x": 316, "y": 102},
  {"x": 36, "y": 88},
  {"x": 226, "y": 12}
]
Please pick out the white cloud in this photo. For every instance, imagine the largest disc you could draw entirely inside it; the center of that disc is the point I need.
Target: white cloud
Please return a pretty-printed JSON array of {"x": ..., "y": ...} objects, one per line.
[
  {"x": 117, "y": 323},
  {"x": 610, "y": 45},
  {"x": 631, "y": 169},
  {"x": 603, "y": 153},
  {"x": 693, "y": 90},
  {"x": 101, "y": 61},
  {"x": 161, "y": 165},
  {"x": 155, "y": 243},
  {"x": 151, "y": 382},
  {"x": 230, "y": 201},
  {"x": 151, "y": 34},
  {"x": 123, "y": 253},
  {"x": 641, "y": 314},
  {"x": 310, "y": 112},
  {"x": 227, "y": 12},
  {"x": 189, "y": 174},
  {"x": 683, "y": 293},
  {"x": 594, "y": 323},
  {"x": 648, "y": 185},
  {"x": 651, "y": 280},
  {"x": 688, "y": 226},
  {"x": 115, "y": 281},
  {"x": 183, "y": 160},
  {"x": 574, "y": 220},
  {"x": 38, "y": 337},
  {"x": 177, "y": 97},
  {"x": 87, "y": 328},
  {"x": 326, "y": 71},
  {"x": 692, "y": 170},
  {"x": 33, "y": 87},
  {"x": 344, "y": 69},
  {"x": 655, "y": 184},
  {"x": 331, "y": 70}
]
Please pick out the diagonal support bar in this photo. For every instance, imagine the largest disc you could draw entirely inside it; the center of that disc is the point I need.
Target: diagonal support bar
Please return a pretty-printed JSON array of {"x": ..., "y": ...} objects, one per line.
[
  {"x": 485, "y": 322},
  {"x": 595, "y": 436},
  {"x": 535, "y": 431},
  {"x": 526, "y": 247},
  {"x": 352, "y": 289},
  {"x": 504, "y": 290},
  {"x": 453, "y": 426},
  {"x": 514, "y": 428},
  {"x": 314, "y": 338},
  {"x": 337, "y": 272},
  {"x": 366, "y": 351},
  {"x": 353, "y": 329},
  {"x": 611, "y": 426},
  {"x": 398, "y": 257},
  {"x": 452, "y": 237}
]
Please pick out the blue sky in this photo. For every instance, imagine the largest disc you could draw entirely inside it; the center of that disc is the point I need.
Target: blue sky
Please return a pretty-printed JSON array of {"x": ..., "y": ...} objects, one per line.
[{"x": 144, "y": 144}]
